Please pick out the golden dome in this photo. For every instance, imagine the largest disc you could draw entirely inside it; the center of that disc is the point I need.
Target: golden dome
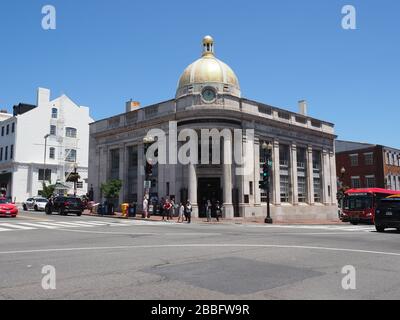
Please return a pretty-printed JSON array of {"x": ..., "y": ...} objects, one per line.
[{"x": 208, "y": 69}]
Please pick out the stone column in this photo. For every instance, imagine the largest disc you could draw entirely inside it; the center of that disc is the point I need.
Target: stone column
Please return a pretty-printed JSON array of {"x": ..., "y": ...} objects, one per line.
[
  {"x": 140, "y": 175},
  {"x": 227, "y": 187},
  {"x": 310, "y": 176},
  {"x": 332, "y": 160},
  {"x": 326, "y": 177},
  {"x": 293, "y": 173},
  {"x": 103, "y": 169},
  {"x": 257, "y": 191},
  {"x": 192, "y": 189},
  {"x": 276, "y": 196},
  {"x": 122, "y": 173}
]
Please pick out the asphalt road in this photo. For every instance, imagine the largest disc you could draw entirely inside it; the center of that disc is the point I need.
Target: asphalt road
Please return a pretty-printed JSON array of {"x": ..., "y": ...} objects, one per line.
[{"x": 103, "y": 258}]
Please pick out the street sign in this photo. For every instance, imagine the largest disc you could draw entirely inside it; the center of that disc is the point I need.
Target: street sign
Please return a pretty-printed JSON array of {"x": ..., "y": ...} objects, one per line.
[{"x": 147, "y": 184}]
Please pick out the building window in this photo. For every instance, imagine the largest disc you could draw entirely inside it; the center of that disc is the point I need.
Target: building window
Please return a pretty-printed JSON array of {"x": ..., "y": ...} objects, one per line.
[
  {"x": 114, "y": 164},
  {"x": 54, "y": 113},
  {"x": 70, "y": 132},
  {"x": 369, "y": 159},
  {"x": 79, "y": 185},
  {"x": 2, "y": 131},
  {"x": 1, "y": 154},
  {"x": 13, "y": 127},
  {"x": 354, "y": 160},
  {"x": 70, "y": 155},
  {"x": 8, "y": 129},
  {"x": 52, "y": 153},
  {"x": 317, "y": 181},
  {"x": 251, "y": 187},
  {"x": 6, "y": 154},
  {"x": 302, "y": 174},
  {"x": 370, "y": 181},
  {"x": 284, "y": 156},
  {"x": 355, "y": 182},
  {"x": 11, "y": 152},
  {"x": 53, "y": 130},
  {"x": 44, "y": 177}
]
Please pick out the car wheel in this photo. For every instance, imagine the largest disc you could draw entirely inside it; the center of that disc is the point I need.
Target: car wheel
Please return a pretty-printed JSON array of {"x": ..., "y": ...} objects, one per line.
[
  {"x": 25, "y": 207},
  {"x": 48, "y": 210},
  {"x": 380, "y": 228},
  {"x": 79, "y": 214},
  {"x": 354, "y": 223}
]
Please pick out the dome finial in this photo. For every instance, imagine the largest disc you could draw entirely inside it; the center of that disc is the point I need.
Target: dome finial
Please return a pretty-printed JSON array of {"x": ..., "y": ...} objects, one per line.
[{"x": 208, "y": 46}]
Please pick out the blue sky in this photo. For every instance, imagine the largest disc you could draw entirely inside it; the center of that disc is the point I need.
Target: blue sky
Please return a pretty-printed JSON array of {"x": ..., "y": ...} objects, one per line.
[{"x": 105, "y": 52}]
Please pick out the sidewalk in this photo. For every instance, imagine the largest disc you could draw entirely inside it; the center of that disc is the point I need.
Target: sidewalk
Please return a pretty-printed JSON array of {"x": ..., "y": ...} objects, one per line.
[{"x": 252, "y": 220}]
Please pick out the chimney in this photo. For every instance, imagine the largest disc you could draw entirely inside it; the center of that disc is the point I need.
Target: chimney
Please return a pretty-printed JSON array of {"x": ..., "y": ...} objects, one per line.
[
  {"x": 303, "y": 107},
  {"x": 132, "y": 105}
]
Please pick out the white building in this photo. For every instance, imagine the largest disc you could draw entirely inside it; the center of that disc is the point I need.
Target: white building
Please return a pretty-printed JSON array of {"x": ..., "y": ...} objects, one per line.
[
  {"x": 303, "y": 179},
  {"x": 45, "y": 142}
]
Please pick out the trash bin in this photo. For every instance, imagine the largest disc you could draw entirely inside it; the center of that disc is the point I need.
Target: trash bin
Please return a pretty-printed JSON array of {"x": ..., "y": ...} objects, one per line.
[
  {"x": 132, "y": 210},
  {"x": 124, "y": 209},
  {"x": 100, "y": 209}
]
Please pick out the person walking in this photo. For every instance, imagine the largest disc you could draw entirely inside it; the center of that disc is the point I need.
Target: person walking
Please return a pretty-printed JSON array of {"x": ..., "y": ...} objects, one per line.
[
  {"x": 162, "y": 211},
  {"x": 181, "y": 212},
  {"x": 188, "y": 211},
  {"x": 145, "y": 208},
  {"x": 172, "y": 209},
  {"x": 218, "y": 211},
  {"x": 208, "y": 210},
  {"x": 167, "y": 208}
]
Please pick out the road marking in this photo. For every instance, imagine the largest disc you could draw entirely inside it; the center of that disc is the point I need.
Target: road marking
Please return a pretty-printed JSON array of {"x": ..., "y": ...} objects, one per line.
[
  {"x": 265, "y": 246},
  {"x": 37, "y": 225},
  {"x": 148, "y": 233},
  {"x": 16, "y": 226}
]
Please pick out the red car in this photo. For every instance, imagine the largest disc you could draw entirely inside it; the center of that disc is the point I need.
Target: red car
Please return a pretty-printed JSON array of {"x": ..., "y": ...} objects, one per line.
[{"x": 7, "y": 209}]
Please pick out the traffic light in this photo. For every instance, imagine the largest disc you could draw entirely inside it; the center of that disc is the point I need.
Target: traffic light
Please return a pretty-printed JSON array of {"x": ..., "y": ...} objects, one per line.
[
  {"x": 264, "y": 183},
  {"x": 149, "y": 169}
]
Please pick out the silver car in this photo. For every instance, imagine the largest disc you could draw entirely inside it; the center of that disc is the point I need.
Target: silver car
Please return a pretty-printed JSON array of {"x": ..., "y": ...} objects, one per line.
[{"x": 35, "y": 203}]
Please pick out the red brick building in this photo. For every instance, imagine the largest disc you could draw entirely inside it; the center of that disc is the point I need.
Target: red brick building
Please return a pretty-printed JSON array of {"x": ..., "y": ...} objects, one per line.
[{"x": 367, "y": 165}]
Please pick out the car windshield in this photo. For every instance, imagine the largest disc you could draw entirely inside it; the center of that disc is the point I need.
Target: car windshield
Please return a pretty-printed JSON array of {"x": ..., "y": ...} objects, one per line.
[
  {"x": 358, "y": 203},
  {"x": 73, "y": 200},
  {"x": 390, "y": 203},
  {"x": 41, "y": 200},
  {"x": 3, "y": 201}
]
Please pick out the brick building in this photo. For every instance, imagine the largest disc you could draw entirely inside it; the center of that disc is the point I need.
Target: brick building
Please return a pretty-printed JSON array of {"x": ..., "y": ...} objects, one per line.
[{"x": 367, "y": 165}]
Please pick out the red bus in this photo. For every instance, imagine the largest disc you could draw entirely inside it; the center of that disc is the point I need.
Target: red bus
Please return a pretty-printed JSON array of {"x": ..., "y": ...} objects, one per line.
[{"x": 359, "y": 204}]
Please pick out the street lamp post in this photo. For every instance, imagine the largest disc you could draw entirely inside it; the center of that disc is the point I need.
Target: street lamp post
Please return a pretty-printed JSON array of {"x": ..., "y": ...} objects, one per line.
[
  {"x": 147, "y": 141},
  {"x": 45, "y": 156},
  {"x": 267, "y": 149}
]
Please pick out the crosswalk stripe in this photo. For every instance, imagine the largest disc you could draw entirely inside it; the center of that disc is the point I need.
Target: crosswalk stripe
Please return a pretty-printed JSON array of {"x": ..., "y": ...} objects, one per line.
[
  {"x": 3, "y": 229},
  {"x": 16, "y": 226},
  {"x": 92, "y": 223},
  {"x": 37, "y": 225},
  {"x": 63, "y": 224}
]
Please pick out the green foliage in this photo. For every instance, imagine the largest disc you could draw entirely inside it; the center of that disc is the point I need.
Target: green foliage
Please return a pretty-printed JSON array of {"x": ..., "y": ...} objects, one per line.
[
  {"x": 73, "y": 177},
  {"x": 47, "y": 190},
  {"x": 111, "y": 189}
]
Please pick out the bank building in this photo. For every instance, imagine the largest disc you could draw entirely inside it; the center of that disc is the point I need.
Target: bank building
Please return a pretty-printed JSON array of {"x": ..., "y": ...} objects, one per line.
[{"x": 303, "y": 173}]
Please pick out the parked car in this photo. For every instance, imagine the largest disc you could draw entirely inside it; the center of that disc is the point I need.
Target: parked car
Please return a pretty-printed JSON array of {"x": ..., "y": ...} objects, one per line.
[
  {"x": 35, "y": 203},
  {"x": 387, "y": 214},
  {"x": 64, "y": 205},
  {"x": 7, "y": 209}
]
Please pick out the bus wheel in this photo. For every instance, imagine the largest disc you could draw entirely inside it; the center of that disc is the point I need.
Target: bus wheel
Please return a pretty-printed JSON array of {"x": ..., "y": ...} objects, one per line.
[{"x": 380, "y": 228}]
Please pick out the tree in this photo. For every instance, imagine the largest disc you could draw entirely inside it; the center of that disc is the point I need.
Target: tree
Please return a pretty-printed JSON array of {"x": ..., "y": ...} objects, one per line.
[
  {"x": 111, "y": 189},
  {"x": 47, "y": 190}
]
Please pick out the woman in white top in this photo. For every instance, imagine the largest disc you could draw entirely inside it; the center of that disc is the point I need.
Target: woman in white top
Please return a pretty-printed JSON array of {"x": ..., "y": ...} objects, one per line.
[{"x": 181, "y": 212}]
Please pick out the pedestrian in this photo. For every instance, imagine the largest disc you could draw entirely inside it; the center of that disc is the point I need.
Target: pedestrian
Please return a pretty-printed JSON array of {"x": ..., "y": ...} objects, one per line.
[
  {"x": 145, "y": 207},
  {"x": 208, "y": 210},
  {"x": 188, "y": 211},
  {"x": 162, "y": 211},
  {"x": 172, "y": 209},
  {"x": 218, "y": 211},
  {"x": 181, "y": 212},
  {"x": 167, "y": 208}
]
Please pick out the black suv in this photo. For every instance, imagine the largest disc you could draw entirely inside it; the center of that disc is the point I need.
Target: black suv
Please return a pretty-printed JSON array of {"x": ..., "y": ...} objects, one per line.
[
  {"x": 65, "y": 205},
  {"x": 387, "y": 214}
]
